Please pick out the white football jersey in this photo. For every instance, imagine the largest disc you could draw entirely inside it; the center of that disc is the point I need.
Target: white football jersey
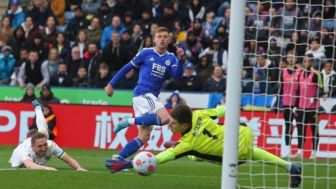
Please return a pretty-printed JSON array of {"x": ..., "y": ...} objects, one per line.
[{"x": 24, "y": 151}]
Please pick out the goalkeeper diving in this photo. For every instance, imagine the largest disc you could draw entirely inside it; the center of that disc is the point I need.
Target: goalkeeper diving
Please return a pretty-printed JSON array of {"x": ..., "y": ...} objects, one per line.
[{"x": 203, "y": 138}]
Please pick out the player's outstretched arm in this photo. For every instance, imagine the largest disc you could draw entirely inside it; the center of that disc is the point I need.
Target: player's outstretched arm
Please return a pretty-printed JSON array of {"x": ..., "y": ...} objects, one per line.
[
  {"x": 29, "y": 164},
  {"x": 72, "y": 162},
  {"x": 121, "y": 73},
  {"x": 177, "y": 68}
]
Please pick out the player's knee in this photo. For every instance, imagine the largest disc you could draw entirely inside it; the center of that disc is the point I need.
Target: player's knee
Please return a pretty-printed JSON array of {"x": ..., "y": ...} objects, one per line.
[
  {"x": 144, "y": 137},
  {"x": 165, "y": 119}
]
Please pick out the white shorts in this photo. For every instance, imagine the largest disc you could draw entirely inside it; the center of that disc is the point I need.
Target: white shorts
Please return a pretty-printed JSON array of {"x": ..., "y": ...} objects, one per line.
[{"x": 146, "y": 104}]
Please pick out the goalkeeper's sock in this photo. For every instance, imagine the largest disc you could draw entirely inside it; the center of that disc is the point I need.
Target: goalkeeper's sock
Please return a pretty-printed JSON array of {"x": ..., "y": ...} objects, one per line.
[
  {"x": 148, "y": 120},
  {"x": 268, "y": 158},
  {"x": 131, "y": 147}
]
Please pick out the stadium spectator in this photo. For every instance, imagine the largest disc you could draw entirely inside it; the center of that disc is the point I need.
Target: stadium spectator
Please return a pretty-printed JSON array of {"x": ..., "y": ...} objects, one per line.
[
  {"x": 288, "y": 91},
  {"x": 49, "y": 31},
  {"x": 102, "y": 78},
  {"x": 196, "y": 10},
  {"x": 329, "y": 80},
  {"x": 7, "y": 63},
  {"x": 287, "y": 19},
  {"x": 36, "y": 150},
  {"x": 226, "y": 20},
  {"x": 145, "y": 21},
  {"x": 136, "y": 36},
  {"x": 174, "y": 100},
  {"x": 29, "y": 28},
  {"x": 189, "y": 81},
  {"x": 58, "y": 9},
  {"x": 310, "y": 89},
  {"x": 116, "y": 26},
  {"x": 114, "y": 53},
  {"x": 201, "y": 134},
  {"x": 81, "y": 80},
  {"x": 210, "y": 26},
  {"x": 47, "y": 96},
  {"x": 81, "y": 42},
  {"x": 217, "y": 82},
  {"x": 257, "y": 85},
  {"x": 62, "y": 45},
  {"x": 93, "y": 31},
  {"x": 16, "y": 13},
  {"x": 33, "y": 72},
  {"x": 51, "y": 122},
  {"x": 178, "y": 33},
  {"x": 92, "y": 59},
  {"x": 52, "y": 62},
  {"x": 38, "y": 44},
  {"x": 168, "y": 16},
  {"x": 91, "y": 6},
  {"x": 268, "y": 72},
  {"x": 105, "y": 13},
  {"x": 74, "y": 61},
  {"x": 6, "y": 31},
  {"x": 204, "y": 68},
  {"x": 318, "y": 51},
  {"x": 218, "y": 56},
  {"x": 298, "y": 43},
  {"x": 129, "y": 81},
  {"x": 78, "y": 22},
  {"x": 273, "y": 51},
  {"x": 40, "y": 12},
  {"x": 191, "y": 46},
  {"x": 61, "y": 78},
  {"x": 29, "y": 94},
  {"x": 197, "y": 29},
  {"x": 18, "y": 41},
  {"x": 135, "y": 7}
]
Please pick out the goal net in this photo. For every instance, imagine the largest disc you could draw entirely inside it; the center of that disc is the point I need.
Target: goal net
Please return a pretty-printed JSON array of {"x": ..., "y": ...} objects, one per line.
[{"x": 289, "y": 90}]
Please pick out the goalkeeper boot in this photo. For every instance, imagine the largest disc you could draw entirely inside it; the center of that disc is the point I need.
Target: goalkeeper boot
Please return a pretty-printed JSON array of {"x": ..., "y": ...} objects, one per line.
[
  {"x": 122, "y": 124},
  {"x": 36, "y": 103},
  {"x": 295, "y": 174},
  {"x": 116, "y": 165}
]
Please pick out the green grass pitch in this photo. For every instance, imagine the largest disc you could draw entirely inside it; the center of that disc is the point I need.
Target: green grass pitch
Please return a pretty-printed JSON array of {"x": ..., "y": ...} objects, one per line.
[{"x": 179, "y": 174}]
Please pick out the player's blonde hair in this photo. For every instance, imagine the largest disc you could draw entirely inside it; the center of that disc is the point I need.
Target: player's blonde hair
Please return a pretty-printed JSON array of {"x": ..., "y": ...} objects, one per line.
[{"x": 161, "y": 29}]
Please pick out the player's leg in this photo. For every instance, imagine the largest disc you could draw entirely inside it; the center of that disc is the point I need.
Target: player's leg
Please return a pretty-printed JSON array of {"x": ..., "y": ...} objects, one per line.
[
  {"x": 313, "y": 120},
  {"x": 153, "y": 113},
  {"x": 300, "y": 130},
  {"x": 268, "y": 158},
  {"x": 288, "y": 116},
  {"x": 41, "y": 122},
  {"x": 135, "y": 144}
]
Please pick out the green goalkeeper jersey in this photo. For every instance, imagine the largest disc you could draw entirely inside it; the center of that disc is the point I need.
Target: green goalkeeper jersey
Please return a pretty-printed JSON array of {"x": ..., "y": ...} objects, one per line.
[{"x": 205, "y": 139}]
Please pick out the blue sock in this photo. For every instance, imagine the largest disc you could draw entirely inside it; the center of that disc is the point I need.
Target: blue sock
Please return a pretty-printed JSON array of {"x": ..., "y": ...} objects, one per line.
[
  {"x": 148, "y": 120},
  {"x": 131, "y": 147}
]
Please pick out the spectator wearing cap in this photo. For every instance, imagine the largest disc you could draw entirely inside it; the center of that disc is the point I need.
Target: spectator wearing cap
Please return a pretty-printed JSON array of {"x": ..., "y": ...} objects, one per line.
[
  {"x": 29, "y": 94},
  {"x": 189, "y": 81},
  {"x": 93, "y": 31},
  {"x": 273, "y": 51},
  {"x": 192, "y": 47},
  {"x": 6, "y": 31},
  {"x": 58, "y": 8},
  {"x": 16, "y": 13},
  {"x": 217, "y": 82},
  {"x": 217, "y": 55},
  {"x": 47, "y": 96},
  {"x": 33, "y": 72},
  {"x": 91, "y": 6},
  {"x": 40, "y": 11},
  {"x": 7, "y": 63},
  {"x": 116, "y": 26},
  {"x": 174, "y": 99}
]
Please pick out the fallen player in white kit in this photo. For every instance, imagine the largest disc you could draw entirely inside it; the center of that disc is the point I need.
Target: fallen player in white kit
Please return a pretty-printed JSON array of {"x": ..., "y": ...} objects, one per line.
[{"x": 37, "y": 149}]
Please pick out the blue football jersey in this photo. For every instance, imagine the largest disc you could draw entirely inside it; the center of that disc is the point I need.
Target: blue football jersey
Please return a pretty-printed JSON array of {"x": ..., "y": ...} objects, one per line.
[{"x": 154, "y": 69}]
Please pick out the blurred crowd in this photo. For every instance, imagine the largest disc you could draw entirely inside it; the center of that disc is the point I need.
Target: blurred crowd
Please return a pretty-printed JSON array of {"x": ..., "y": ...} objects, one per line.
[{"x": 83, "y": 43}]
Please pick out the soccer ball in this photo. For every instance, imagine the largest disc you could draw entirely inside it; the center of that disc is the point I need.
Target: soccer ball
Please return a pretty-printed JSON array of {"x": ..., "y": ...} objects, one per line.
[{"x": 144, "y": 163}]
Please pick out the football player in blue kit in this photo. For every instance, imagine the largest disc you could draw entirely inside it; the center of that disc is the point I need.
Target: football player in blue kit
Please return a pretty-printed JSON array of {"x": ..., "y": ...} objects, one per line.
[{"x": 155, "y": 65}]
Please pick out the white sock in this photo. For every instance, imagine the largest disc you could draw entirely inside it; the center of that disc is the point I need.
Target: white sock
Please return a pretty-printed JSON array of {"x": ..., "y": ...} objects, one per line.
[
  {"x": 131, "y": 120},
  {"x": 41, "y": 122}
]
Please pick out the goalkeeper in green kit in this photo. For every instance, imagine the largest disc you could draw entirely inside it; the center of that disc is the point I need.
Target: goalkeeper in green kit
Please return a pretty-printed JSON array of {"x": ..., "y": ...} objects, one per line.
[{"x": 203, "y": 137}]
